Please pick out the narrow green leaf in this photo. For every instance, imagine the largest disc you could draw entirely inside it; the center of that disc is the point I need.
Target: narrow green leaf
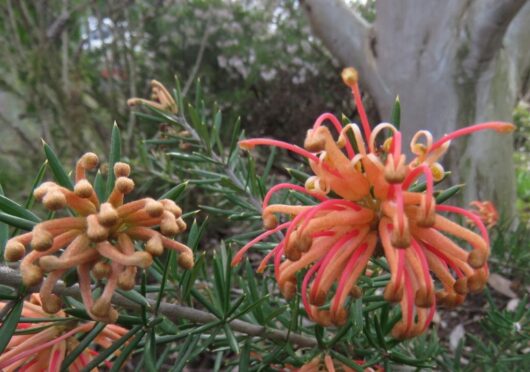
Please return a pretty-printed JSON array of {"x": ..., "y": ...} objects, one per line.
[
  {"x": 175, "y": 192},
  {"x": 244, "y": 358},
  {"x": 127, "y": 350},
  {"x": 99, "y": 186},
  {"x": 59, "y": 173},
  {"x": 164, "y": 280},
  {"x": 185, "y": 351},
  {"x": 232, "y": 341},
  {"x": 9, "y": 324},
  {"x": 253, "y": 290},
  {"x": 149, "y": 352},
  {"x": 347, "y": 361},
  {"x": 134, "y": 296},
  {"x": 18, "y": 222},
  {"x": 15, "y": 209},
  {"x": 36, "y": 182},
  {"x": 4, "y": 233},
  {"x": 448, "y": 193},
  {"x": 114, "y": 156},
  {"x": 297, "y": 175},
  {"x": 83, "y": 345},
  {"x": 395, "y": 118}
]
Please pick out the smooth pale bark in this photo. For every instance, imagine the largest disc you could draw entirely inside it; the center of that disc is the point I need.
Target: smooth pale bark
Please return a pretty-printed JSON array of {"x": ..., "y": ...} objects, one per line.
[{"x": 453, "y": 63}]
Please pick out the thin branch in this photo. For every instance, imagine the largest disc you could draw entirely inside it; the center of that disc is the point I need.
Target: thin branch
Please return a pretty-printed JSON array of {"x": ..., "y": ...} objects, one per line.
[
  {"x": 174, "y": 312},
  {"x": 487, "y": 23},
  {"x": 198, "y": 60}
]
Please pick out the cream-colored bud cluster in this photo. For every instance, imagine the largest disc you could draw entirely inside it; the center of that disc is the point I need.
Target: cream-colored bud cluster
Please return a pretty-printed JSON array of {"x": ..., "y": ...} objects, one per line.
[
  {"x": 161, "y": 99},
  {"x": 99, "y": 241}
]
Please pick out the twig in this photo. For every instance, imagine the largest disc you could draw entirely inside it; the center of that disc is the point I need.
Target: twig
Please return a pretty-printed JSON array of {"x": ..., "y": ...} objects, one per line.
[
  {"x": 174, "y": 312},
  {"x": 198, "y": 61}
]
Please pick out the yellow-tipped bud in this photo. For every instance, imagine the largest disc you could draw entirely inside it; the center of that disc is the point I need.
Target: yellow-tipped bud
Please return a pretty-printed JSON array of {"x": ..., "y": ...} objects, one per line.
[
  {"x": 95, "y": 231},
  {"x": 107, "y": 215},
  {"x": 54, "y": 200},
  {"x": 185, "y": 260},
  {"x": 350, "y": 76},
  {"x": 41, "y": 240},
  {"x": 438, "y": 172},
  {"x": 31, "y": 275},
  {"x": 154, "y": 246},
  {"x": 101, "y": 270},
  {"x": 124, "y": 185},
  {"x": 122, "y": 169},
  {"x": 154, "y": 208},
  {"x": 387, "y": 145},
  {"x": 477, "y": 259},
  {"x": 83, "y": 189},
  {"x": 14, "y": 251},
  {"x": 89, "y": 160}
]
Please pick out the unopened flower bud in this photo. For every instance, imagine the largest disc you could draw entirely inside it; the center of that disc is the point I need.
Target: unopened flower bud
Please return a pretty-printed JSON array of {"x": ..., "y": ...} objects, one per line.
[
  {"x": 51, "y": 304},
  {"x": 83, "y": 189},
  {"x": 95, "y": 231},
  {"x": 42, "y": 239},
  {"x": 185, "y": 260},
  {"x": 143, "y": 259},
  {"x": 101, "y": 270},
  {"x": 124, "y": 185},
  {"x": 31, "y": 275},
  {"x": 107, "y": 215},
  {"x": 154, "y": 208},
  {"x": 101, "y": 307},
  {"x": 126, "y": 279},
  {"x": 172, "y": 207},
  {"x": 154, "y": 246},
  {"x": 54, "y": 200},
  {"x": 122, "y": 169},
  {"x": 89, "y": 160},
  {"x": 168, "y": 224},
  {"x": 14, "y": 251}
]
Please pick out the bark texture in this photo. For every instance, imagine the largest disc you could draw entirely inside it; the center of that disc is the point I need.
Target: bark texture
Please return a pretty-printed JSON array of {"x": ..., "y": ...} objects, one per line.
[{"x": 453, "y": 63}]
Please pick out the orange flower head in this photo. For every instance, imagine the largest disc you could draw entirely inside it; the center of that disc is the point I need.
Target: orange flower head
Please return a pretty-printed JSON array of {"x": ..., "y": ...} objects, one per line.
[
  {"x": 366, "y": 198},
  {"x": 161, "y": 99},
  {"x": 486, "y": 211},
  {"x": 44, "y": 345},
  {"x": 99, "y": 239}
]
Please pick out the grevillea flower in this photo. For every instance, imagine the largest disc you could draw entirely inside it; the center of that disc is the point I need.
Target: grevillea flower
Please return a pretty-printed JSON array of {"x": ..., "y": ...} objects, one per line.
[
  {"x": 161, "y": 99},
  {"x": 43, "y": 346},
  {"x": 486, "y": 211},
  {"x": 366, "y": 199},
  {"x": 326, "y": 363},
  {"x": 98, "y": 240}
]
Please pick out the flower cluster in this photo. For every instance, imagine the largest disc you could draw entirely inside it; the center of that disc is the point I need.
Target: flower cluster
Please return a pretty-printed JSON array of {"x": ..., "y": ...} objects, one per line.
[
  {"x": 98, "y": 240},
  {"x": 327, "y": 363},
  {"x": 486, "y": 211},
  {"x": 161, "y": 99},
  {"x": 44, "y": 345},
  {"x": 366, "y": 198}
]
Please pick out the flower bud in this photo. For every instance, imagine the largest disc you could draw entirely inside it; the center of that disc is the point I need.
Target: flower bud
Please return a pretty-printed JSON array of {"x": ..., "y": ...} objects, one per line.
[
  {"x": 51, "y": 304},
  {"x": 154, "y": 246},
  {"x": 95, "y": 231},
  {"x": 185, "y": 260},
  {"x": 350, "y": 76},
  {"x": 42, "y": 239},
  {"x": 107, "y": 216},
  {"x": 31, "y": 275},
  {"x": 89, "y": 160},
  {"x": 14, "y": 251},
  {"x": 124, "y": 185},
  {"x": 122, "y": 169},
  {"x": 54, "y": 200},
  {"x": 154, "y": 208},
  {"x": 83, "y": 189},
  {"x": 101, "y": 270}
]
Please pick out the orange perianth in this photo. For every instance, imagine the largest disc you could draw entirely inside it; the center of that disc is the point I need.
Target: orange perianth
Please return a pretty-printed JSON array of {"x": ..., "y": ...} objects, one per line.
[
  {"x": 437, "y": 239},
  {"x": 51, "y": 303},
  {"x": 390, "y": 251},
  {"x": 338, "y": 218},
  {"x": 285, "y": 209},
  {"x": 412, "y": 197},
  {"x": 352, "y": 186},
  {"x": 141, "y": 233},
  {"x": 288, "y": 269},
  {"x": 59, "y": 242},
  {"x": 131, "y": 207},
  {"x": 115, "y": 198},
  {"x": 60, "y": 225},
  {"x": 173, "y": 244},
  {"x": 37, "y": 339},
  {"x": 52, "y": 263},
  {"x": 80, "y": 205},
  {"x": 329, "y": 363},
  {"x": 140, "y": 259},
  {"x": 440, "y": 270},
  {"x": 475, "y": 240},
  {"x": 358, "y": 269},
  {"x": 375, "y": 173},
  {"x": 23, "y": 239},
  {"x": 334, "y": 268},
  {"x": 125, "y": 244}
]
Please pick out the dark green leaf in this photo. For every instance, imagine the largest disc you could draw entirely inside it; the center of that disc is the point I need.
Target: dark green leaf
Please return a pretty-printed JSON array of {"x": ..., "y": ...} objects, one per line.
[
  {"x": 83, "y": 345},
  {"x": 14, "y": 209},
  {"x": 175, "y": 192},
  {"x": 59, "y": 173},
  {"x": 395, "y": 118},
  {"x": 18, "y": 222},
  {"x": 114, "y": 156},
  {"x": 9, "y": 324}
]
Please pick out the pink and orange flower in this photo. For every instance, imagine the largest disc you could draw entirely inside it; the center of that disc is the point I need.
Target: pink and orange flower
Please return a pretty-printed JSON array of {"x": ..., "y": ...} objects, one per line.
[
  {"x": 366, "y": 205},
  {"x": 99, "y": 240},
  {"x": 44, "y": 345}
]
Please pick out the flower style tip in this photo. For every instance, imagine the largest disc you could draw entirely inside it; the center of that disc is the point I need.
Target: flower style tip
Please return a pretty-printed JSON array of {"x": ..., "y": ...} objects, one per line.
[
  {"x": 368, "y": 199},
  {"x": 99, "y": 240},
  {"x": 161, "y": 99}
]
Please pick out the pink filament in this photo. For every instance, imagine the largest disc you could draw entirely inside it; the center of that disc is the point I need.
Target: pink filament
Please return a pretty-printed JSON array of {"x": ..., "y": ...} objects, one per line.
[
  {"x": 277, "y": 258},
  {"x": 445, "y": 259},
  {"x": 411, "y": 177},
  {"x": 347, "y": 273},
  {"x": 396, "y": 145},
  {"x": 473, "y": 217},
  {"x": 305, "y": 283},
  {"x": 291, "y": 187},
  {"x": 467, "y": 130},
  {"x": 362, "y": 113},
  {"x": 239, "y": 255},
  {"x": 400, "y": 208},
  {"x": 409, "y": 298},
  {"x": 338, "y": 127}
]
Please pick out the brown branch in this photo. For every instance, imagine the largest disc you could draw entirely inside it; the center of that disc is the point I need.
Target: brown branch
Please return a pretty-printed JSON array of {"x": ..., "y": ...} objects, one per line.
[{"x": 174, "y": 312}]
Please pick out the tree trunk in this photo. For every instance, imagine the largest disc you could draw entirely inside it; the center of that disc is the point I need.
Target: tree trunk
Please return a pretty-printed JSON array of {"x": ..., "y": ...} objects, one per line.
[{"x": 453, "y": 63}]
